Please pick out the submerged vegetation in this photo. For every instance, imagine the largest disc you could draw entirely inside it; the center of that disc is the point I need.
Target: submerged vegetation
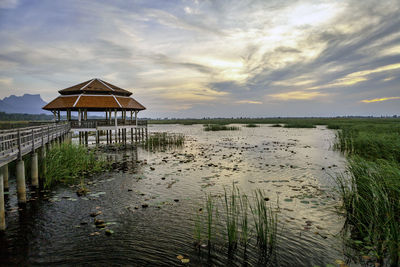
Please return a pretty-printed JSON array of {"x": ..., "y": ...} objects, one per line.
[
  {"x": 234, "y": 221},
  {"x": 69, "y": 163},
  {"x": 160, "y": 140},
  {"x": 219, "y": 127},
  {"x": 371, "y": 192},
  {"x": 252, "y": 125},
  {"x": 299, "y": 125}
]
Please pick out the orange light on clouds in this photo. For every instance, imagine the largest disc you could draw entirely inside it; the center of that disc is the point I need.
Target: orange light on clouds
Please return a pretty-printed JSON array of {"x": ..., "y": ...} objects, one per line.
[
  {"x": 249, "y": 102},
  {"x": 297, "y": 95},
  {"x": 380, "y": 99}
]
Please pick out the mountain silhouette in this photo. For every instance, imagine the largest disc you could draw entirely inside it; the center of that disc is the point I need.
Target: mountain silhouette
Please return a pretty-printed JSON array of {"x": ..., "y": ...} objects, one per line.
[{"x": 28, "y": 103}]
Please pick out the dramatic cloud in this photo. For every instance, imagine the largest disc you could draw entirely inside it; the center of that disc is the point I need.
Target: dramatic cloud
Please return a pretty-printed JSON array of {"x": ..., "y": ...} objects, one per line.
[{"x": 184, "y": 58}]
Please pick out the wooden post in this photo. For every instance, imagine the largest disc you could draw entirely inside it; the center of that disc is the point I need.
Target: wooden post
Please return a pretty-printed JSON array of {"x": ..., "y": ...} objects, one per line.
[
  {"x": 79, "y": 117},
  {"x": 116, "y": 125},
  {"x": 2, "y": 209},
  {"x": 97, "y": 137}
]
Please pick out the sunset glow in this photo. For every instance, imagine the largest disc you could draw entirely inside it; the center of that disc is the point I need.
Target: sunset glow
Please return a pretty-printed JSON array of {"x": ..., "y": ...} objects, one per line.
[{"x": 214, "y": 54}]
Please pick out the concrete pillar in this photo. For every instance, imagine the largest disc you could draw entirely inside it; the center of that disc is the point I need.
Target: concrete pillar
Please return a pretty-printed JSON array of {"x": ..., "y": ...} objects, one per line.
[
  {"x": 21, "y": 190},
  {"x": 5, "y": 177},
  {"x": 2, "y": 212},
  {"x": 35, "y": 170},
  {"x": 43, "y": 158},
  {"x": 136, "y": 117}
]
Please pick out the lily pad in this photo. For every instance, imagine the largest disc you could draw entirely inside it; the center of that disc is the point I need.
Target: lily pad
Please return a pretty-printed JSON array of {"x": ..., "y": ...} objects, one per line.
[{"x": 185, "y": 260}]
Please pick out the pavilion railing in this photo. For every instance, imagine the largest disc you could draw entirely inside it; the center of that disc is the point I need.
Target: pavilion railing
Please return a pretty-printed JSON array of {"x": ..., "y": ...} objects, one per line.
[{"x": 92, "y": 124}]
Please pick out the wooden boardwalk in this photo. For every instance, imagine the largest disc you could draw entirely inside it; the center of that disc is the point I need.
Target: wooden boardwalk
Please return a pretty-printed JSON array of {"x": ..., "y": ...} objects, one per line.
[{"x": 16, "y": 143}]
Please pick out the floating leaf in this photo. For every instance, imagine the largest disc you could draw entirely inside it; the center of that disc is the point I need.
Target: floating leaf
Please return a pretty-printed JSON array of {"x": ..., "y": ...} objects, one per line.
[
  {"x": 185, "y": 260},
  {"x": 179, "y": 257}
]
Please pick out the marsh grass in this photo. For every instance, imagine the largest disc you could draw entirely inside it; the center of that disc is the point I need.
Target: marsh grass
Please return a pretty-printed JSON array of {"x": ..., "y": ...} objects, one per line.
[
  {"x": 252, "y": 125},
  {"x": 232, "y": 214},
  {"x": 161, "y": 140},
  {"x": 244, "y": 224},
  {"x": 198, "y": 227},
  {"x": 370, "y": 192},
  {"x": 371, "y": 202},
  {"x": 234, "y": 222},
  {"x": 299, "y": 125},
  {"x": 67, "y": 163},
  {"x": 219, "y": 127},
  {"x": 266, "y": 223},
  {"x": 211, "y": 212}
]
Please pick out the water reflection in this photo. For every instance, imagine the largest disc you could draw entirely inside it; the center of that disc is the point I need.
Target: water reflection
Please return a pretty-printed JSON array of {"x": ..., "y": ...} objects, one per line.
[{"x": 293, "y": 166}]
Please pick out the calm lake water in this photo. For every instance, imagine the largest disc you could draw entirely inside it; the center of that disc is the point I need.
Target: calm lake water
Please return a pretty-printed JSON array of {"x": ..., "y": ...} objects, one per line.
[{"x": 295, "y": 167}]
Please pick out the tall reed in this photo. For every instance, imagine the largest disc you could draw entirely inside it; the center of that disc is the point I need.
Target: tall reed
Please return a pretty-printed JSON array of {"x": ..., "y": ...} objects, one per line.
[
  {"x": 231, "y": 201},
  {"x": 265, "y": 221},
  {"x": 244, "y": 224},
  {"x": 371, "y": 201},
  {"x": 211, "y": 210}
]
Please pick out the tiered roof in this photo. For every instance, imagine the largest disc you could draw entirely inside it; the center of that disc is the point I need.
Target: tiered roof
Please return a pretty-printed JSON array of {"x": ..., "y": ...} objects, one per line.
[{"x": 94, "y": 95}]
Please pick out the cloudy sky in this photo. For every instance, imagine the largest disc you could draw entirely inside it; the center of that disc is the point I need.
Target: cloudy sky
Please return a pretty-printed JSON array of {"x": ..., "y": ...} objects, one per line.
[{"x": 193, "y": 58}]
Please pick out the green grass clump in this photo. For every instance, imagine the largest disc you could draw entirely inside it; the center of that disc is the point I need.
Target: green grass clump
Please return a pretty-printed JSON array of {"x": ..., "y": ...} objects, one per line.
[
  {"x": 219, "y": 127},
  {"x": 276, "y": 125},
  {"x": 235, "y": 223},
  {"x": 371, "y": 202},
  {"x": 164, "y": 139},
  {"x": 299, "y": 125},
  {"x": 68, "y": 163},
  {"x": 371, "y": 192},
  {"x": 211, "y": 211},
  {"x": 252, "y": 125},
  {"x": 232, "y": 214},
  {"x": 266, "y": 223}
]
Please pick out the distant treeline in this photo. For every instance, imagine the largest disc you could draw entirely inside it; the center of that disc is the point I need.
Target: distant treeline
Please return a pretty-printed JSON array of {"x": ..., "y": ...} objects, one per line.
[
  {"x": 292, "y": 121},
  {"x": 24, "y": 117}
]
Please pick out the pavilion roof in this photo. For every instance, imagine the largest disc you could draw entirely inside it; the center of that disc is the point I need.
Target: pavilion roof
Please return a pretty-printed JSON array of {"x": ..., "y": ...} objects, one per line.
[
  {"x": 95, "y": 86},
  {"x": 94, "y": 95}
]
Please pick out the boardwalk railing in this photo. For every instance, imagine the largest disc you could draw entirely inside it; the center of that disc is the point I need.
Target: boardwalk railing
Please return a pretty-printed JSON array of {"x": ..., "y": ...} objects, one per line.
[
  {"x": 92, "y": 124},
  {"x": 16, "y": 143}
]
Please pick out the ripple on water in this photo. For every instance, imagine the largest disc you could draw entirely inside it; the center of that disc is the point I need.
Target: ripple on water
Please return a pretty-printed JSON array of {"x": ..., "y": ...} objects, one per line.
[{"x": 286, "y": 163}]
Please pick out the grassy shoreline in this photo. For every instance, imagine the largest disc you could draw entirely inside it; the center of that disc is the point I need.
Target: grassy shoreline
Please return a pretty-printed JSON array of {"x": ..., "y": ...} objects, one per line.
[{"x": 370, "y": 192}]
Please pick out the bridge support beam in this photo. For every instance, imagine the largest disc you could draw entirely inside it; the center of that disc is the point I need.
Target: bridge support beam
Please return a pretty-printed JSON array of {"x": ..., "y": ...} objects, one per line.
[
  {"x": 21, "y": 190},
  {"x": 35, "y": 170},
  {"x": 5, "y": 177},
  {"x": 2, "y": 211}
]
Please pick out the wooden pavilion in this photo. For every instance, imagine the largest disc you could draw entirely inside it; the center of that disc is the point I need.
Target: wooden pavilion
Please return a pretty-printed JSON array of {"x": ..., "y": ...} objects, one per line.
[{"x": 97, "y": 95}]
